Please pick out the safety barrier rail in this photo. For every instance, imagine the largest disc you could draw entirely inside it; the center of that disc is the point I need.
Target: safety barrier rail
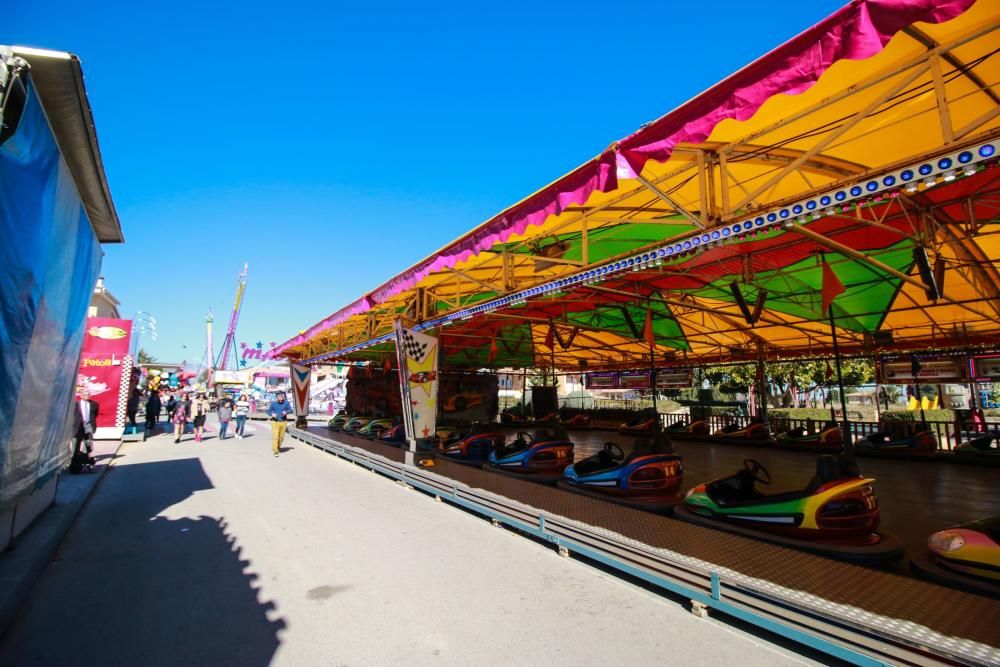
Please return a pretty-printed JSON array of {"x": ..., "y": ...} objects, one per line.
[
  {"x": 847, "y": 633},
  {"x": 949, "y": 434}
]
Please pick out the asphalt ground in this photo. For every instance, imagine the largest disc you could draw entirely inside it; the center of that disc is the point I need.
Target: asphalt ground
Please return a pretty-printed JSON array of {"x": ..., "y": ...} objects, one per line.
[{"x": 216, "y": 553}]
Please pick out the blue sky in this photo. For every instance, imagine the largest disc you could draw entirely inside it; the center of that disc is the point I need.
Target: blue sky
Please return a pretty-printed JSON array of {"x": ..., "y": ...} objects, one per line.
[{"x": 332, "y": 147}]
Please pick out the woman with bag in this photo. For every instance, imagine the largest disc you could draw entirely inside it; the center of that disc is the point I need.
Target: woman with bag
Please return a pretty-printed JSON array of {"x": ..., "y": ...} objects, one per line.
[
  {"x": 180, "y": 417},
  {"x": 199, "y": 411}
]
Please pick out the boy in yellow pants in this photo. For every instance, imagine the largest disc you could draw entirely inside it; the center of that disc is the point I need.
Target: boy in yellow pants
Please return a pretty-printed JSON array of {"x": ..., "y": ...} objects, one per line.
[{"x": 280, "y": 408}]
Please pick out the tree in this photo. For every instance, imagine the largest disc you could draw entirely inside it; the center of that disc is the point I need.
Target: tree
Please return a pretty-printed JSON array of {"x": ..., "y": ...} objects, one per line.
[{"x": 145, "y": 358}]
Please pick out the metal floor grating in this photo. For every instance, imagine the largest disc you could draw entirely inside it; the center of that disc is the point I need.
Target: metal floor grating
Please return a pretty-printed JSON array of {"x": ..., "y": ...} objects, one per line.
[{"x": 905, "y": 611}]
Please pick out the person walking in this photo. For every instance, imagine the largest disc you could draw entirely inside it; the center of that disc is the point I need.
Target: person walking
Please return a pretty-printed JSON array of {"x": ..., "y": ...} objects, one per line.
[
  {"x": 84, "y": 426},
  {"x": 132, "y": 407},
  {"x": 242, "y": 414},
  {"x": 279, "y": 410},
  {"x": 171, "y": 404},
  {"x": 225, "y": 414},
  {"x": 179, "y": 417},
  {"x": 153, "y": 406},
  {"x": 199, "y": 412}
]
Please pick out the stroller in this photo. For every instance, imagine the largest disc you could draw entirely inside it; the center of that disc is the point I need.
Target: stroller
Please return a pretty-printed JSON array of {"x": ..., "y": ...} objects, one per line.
[{"x": 82, "y": 459}]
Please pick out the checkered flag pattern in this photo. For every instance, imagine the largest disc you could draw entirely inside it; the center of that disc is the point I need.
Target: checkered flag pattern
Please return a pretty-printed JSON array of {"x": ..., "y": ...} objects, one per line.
[
  {"x": 123, "y": 391},
  {"x": 413, "y": 348}
]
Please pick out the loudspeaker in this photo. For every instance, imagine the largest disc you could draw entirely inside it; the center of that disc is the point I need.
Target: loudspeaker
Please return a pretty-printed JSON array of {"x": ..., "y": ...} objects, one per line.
[
  {"x": 883, "y": 338},
  {"x": 923, "y": 266}
]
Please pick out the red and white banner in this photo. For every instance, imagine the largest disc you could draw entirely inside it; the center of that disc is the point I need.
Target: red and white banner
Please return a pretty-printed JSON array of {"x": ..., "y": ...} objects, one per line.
[
  {"x": 301, "y": 375},
  {"x": 104, "y": 368}
]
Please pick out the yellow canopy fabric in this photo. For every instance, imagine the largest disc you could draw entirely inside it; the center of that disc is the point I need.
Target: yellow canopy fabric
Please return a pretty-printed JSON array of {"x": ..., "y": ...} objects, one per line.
[{"x": 930, "y": 91}]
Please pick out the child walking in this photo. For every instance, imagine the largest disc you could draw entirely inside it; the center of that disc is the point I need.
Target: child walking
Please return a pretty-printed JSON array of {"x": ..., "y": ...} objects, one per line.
[{"x": 225, "y": 415}]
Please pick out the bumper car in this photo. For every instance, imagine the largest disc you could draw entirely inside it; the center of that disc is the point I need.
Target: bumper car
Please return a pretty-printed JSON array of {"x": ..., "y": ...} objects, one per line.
[
  {"x": 336, "y": 423},
  {"x": 542, "y": 457},
  {"x": 836, "y": 514},
  {"x": 355, "y": 424},
  {"x": 755, "y": 430},
  {"x": 965, "y": 556},
  {"x": 376, "y": 427},
  {"x": 546, "y": 420},
  {"x": 830, "y": 438},
  {"x": 474, "y": 448},
  {"x": 985, "y": 444},
  {"x": 445, "y": 435},
  {"x": 922, "y": 444},
  {"x": 687, "y": 427},
  {"x": 643, "y": 479},
  {"x": 394, "y": 435},
  {"x": 512, "y": 418},
  {"x": 578, "y": 422},
  {"x": 643, "y": 426}
]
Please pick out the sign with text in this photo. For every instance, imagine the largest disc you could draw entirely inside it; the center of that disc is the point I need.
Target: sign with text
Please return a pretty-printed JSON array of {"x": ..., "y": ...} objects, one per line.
[
  {"x": 634, "y": 380},
  {"x": 232, "y": 377},
  {"x": 923, "y": 370},
  {"x": 107, "y": 335},
  {"x": 100, "y": 376},
  {"x": 673, "y": 379},
  {"x": 986, "y": 369},
  {"x": 601, "y": 380},
  {"x": 105, "y": 349}
]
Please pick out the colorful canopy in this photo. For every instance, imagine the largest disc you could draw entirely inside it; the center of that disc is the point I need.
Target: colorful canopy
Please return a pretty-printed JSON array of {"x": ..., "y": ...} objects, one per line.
[{"x": 867, "y": 142}]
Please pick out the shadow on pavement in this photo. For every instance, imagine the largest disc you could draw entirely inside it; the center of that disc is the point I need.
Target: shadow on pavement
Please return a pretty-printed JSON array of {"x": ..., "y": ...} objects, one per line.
[{"x": 128, "y": 587}]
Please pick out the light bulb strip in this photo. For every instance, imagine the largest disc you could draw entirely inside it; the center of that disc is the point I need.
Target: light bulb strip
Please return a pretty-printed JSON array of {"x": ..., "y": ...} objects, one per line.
[{"x": 949, "y": 167}]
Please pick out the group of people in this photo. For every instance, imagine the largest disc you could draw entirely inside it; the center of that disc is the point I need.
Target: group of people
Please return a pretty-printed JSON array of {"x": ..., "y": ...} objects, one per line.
[
  {"x": 183, "y": 408},
  {"x": 196, "y": 411}
]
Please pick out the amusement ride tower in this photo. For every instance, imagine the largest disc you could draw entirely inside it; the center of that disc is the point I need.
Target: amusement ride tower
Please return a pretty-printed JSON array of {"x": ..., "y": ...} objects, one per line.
[{"x": 229, "y": 344}]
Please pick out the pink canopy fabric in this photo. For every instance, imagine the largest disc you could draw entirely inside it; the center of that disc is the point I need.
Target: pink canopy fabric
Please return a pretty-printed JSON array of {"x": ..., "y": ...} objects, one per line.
[{"x": 857, "y": 31}]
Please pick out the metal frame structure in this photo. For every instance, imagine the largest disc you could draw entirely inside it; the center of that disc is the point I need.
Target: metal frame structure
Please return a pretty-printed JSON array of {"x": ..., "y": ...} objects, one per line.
[
  {"x": 222, "y": 363},
  {"x": 703, "y": 184},
  {"x": 874, "y": 200}
]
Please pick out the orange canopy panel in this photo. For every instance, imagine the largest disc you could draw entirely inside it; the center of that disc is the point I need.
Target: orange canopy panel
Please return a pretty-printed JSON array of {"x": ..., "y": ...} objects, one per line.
[{"x": 866, "y": 143}]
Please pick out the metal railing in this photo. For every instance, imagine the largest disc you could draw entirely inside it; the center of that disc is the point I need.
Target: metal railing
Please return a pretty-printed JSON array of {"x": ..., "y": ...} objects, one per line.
[{"x": 949, "y": 434}]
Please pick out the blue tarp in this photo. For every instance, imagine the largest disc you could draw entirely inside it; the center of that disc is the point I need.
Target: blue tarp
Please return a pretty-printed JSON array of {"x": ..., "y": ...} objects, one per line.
[{"x": 49, "y": 261}]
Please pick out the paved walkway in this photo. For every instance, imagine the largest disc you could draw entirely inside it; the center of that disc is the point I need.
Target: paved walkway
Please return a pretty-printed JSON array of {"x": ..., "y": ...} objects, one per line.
[{"x": 219, "y": 554}]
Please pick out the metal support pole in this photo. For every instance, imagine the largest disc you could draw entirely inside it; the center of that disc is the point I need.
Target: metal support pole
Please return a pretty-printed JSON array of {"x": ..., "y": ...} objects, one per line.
[
  {"x": 848, "y": 442},
  {"x": 658, "y": 444},
  {"x": 524, "y": 391},
  {"x": 915, "y": 367},
  {"x": 761, "y": 383}
]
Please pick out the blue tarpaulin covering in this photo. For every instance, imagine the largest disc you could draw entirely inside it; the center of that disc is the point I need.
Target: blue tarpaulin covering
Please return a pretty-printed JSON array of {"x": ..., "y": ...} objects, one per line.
[{"x": 49, "y": 261}]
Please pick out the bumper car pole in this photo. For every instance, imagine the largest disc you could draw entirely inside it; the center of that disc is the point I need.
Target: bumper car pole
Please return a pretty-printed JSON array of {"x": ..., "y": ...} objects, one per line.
[{"x": 845, "y": 424}]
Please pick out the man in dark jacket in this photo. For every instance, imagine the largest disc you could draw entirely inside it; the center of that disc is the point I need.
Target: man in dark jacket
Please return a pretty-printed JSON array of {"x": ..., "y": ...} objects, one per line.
[
  {"x": 153, "y": 407},
  {"x": 84, "y": 426},
  {"x": 132, "y": 407}
]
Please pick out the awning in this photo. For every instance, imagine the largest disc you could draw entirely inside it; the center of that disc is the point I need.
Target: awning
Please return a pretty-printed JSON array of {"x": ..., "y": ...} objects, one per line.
[
  {"x": 814, "y": 153},
  {"x": 58, "y": 79}
]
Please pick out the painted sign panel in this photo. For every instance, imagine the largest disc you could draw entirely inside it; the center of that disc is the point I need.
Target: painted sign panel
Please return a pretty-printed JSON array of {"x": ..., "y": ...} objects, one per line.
[
  {"x": 231, "y": 377},
  {"x": 105, "y": 350},
  {"x": 601, "y": 380},
  {"x": 924, "y": 370},
  {"x": 634, "y": 380},
  {"x": 986, "y": 369},
  {"x": 301, "y": 376},
  {"x": 418, "y": 355},
  {"x": 673, "y": 379}
]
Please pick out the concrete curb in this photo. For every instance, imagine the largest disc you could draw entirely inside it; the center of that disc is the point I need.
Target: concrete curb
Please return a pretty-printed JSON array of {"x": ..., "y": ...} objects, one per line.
[{"x": 22, "y": 564}]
